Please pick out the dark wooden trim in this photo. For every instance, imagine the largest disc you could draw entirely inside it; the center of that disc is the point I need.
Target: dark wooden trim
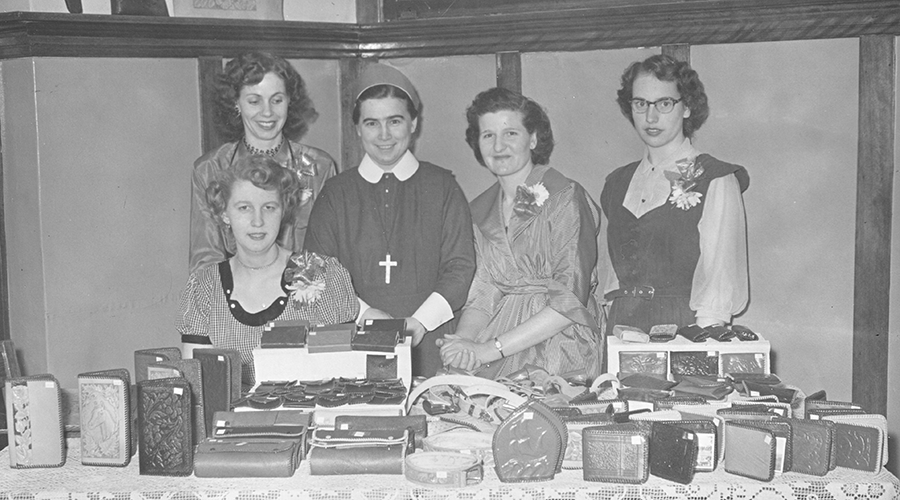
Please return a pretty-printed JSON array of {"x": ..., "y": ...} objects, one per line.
[
  {"x": 509, "y": 71},
  {"x": 32, "y": 34},
  {"x": 4, "y": 274},
  {"x": 874, "y": 200},
  {"x": 681, "y": 51},
  {"x": 209, "y": 69},
  {"x": 350, "y": 149}
]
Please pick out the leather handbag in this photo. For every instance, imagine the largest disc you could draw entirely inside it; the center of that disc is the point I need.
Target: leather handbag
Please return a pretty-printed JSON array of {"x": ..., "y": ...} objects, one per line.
[
  {"x": 338, "y": 452},
  {"x": 250, "y": 457},
  {"x": 673, "y": 452},
  {"x": 811, "y": 445},
  {"x": 749, "y": 451},
  {"x": 530, "y": 444},
  {"x": 443, "y": 469},
  {"x": 165, "y": 427},
  {"x": 35, "y": 423},
  {"x": 417, "y": 425},
  {"x": 145, "y": 357},
  {"x": 105, "y": 410},
  {"x": 618, "y": 453}
]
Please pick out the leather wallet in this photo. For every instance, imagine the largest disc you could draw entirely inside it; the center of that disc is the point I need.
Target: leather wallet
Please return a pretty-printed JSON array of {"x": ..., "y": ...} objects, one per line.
[
  {"x": 165, "y": 427},
  {"x": 858, "y": 447},
  {"x": 381, "y": 367},
  {"x": 251, "y": 457},
  {"x": 721, "y": 333},
  {"x": 663, "y": 333},
  {"x": 139, "y": 8},
  {"x": 330, "y": 338},
  {"x": 443, "y": 469},
  {"x": 644, "y": 381},
  {"x": 386, "y": 325},
  {"x": 273, "y": 424},
  {"x": 649, "y": 363},
  {"x": 673, "y": 452},
  {"x": 694, "y": 333},
  {"x": 869, "y": 420},
  {"x": 220, "y": 375},
  {"x": 145, "y": 357},
  {"x": 338, "y": 452},
  {"x": 705, "y": 363},
  {"x": 284, "y": 334},
  {"x": 749, "y": 451},
  {"x": 707, "y": 442},
  {"x": 415, "y": 424},
  {"x": 783, "y": 440},
  {"x": 744, "y": 362},
  {"x": 190, "y": 370},
  {"x": 35, "y": 423},
  {"x": 617, "y": 453},
  {"x": 669, "y": 402},
  {"x": 631, "y": 334},
  {"x": 575, "y": 425},
  {"x": 530, "y": 444},
  {"x": 753, "y": 389},
  {"x": 743, "y": 333},
  {"x": 811, "y": 444},
  {"x": 104, "y": 401},
  {"x": 375, "y": 340}
]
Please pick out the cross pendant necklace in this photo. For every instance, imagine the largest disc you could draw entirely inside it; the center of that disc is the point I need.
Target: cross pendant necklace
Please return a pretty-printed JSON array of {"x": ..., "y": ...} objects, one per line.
[
  {"x": 387, "y": 228},
  {"x": 387, "y": 263}
]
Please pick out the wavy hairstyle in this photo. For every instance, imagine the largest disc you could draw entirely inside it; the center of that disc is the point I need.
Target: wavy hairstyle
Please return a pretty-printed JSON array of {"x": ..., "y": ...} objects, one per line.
[
  {"x": 265, "y": 173},
  {"x": 249, "y": 69},
  {"x": 534, "y": 118},
  {"x": 668, "y": 69}
]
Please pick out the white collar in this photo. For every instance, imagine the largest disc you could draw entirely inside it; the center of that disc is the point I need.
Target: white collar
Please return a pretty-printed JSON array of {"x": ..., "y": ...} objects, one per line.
[
  {"x": 685, "y": 150},
  {"x": 403, "y": 170}
]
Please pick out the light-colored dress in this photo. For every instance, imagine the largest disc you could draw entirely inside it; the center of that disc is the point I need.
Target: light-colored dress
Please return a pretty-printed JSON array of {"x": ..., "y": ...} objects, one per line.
[{"x": 546, "y": 258}]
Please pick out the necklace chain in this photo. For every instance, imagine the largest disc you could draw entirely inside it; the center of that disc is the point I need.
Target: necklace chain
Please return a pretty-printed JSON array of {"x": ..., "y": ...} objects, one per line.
[
  {"x": 265, "y": 152},
  {"x": 250, "y": 268}
]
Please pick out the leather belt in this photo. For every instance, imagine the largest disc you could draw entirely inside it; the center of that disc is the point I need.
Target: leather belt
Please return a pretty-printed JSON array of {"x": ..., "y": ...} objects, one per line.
[{"x": 646, "y": 292}]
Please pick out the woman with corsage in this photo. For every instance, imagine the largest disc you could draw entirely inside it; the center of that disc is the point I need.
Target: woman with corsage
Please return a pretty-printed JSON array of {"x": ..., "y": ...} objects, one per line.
[
  {"x": 677, "y": 244},
  {"x": 536, "y": 232},
  {"x": 261, "y": 107},
  {"x": 228, "y": 304}
]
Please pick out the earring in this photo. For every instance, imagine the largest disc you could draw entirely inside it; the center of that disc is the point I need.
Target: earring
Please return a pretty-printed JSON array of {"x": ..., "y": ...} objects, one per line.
[{"x": 237, "y": 110}]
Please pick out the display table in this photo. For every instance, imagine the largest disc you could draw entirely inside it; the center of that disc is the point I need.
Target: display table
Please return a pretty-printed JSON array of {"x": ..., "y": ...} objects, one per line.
[{"x": 75, "y": 481}]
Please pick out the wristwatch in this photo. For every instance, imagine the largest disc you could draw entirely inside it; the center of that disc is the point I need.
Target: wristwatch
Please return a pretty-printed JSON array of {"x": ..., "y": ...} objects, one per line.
[{"x": 499, "y": 346}]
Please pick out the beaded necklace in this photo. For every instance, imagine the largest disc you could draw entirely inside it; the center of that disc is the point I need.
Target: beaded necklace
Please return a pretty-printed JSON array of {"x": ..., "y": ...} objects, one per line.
[{"x": 265, "y": 152}]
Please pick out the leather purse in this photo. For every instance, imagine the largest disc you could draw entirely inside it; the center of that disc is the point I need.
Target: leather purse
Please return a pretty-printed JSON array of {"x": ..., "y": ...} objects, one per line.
[
  {"x": 530, "y": 444},
  {"x": 251, "y": 457},
  {"x": 707, "y": 442},
  {"x": 165, "y": 427},
  {"x": 694, "y": 333},
  {"x": 704, "y": 363},
  {"x": 811, "y": 445},
  {"x": 146, "y": 357},
  {"x": 673, "y": 452},
  {"x": 190, "y": 370},
  {"x": 338, "y": 452},
  {"x": 749, "y": 451},
  {"x": 220, "y": 375},
  {"x": 330, "y": 338},
  {"x": 104, "y": 402},
  {"x": 617, "y": 453},
  {"x": 663, "y": 333},
  {"x": 743, "y": 333},
  {"x": 284, "y": 334},
  {"x": 417, "y": 425},
  {"x": 649, "y": 363},
  {"x": 35, "y": 423},
  {"x": 443, "y": 469}
]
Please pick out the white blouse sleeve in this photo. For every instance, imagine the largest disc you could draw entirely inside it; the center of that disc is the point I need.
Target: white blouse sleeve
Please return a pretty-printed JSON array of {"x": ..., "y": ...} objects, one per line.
[{"x": 721, "y": 286}]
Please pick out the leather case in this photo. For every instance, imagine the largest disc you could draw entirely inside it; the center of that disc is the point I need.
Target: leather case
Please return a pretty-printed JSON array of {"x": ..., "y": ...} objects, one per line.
[
  {"x": 381, "y": 367},
  {"x": 330, "y": 338},
  {"x": 617, "y": 453},
  {"x": 673, "y": 452},
  {"x": 375, "y": 340},
  {"x": 663, "y": 333},
  {"x": 705, "y": 363},
  {"x": 811, "y": 443},
  {"x": 530, "y": 444},
  {"x": 253, "y": 457},
  {"x": 285, "y": 334},
  {"x": 575, "y": 426},
  {"x": 744, "y": 362},
  {"x": 165, "y": 427},
  {"x": 858, "y": 447},
  {"x": 220, "y": 373},
  {"x": 644, "y": 381},
  {"x": 753, "y": 389},
  {"x": 649, "y": 363},
  {"x": 146, "y": 357},
  {"x": 415, "y": 424},
  {"x": 709, "y": 387},
  {"x": 631, "y": 334},
  {"x": 749, "y": 451},
  {"x": 694, "y": 333},
  {"x": 783, "y": 441},
  {"x": 707, "y": 442},
  {"x": 190, "y": 370},
  {"x": 337, "y": 452},
  {"x": 104, "y": 400},
  {"x": 386, "y": 325},
  {"x": 443, "y": 469},
  {"x": 868, "y": 420},
  {"x": 720, "y": 333},
  {"x": 35, "y": 423}
]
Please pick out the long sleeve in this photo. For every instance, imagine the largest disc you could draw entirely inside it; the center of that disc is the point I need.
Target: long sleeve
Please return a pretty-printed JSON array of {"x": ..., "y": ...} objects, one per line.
[
  {"x": 293, "y": 236},
  {"x": 721, "y": 284},
  {"x": 457, "y": 263},
  {"x": 321, "y": 232}
]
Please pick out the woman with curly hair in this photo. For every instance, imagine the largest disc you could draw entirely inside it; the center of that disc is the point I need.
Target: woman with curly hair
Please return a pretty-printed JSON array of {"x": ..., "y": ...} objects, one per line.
[
  {"x": 677, "y": 247},
  {"x": 228, "y": 304},
  {"x": 261, "y": 108},
  {"x": 531, "y": 301}
]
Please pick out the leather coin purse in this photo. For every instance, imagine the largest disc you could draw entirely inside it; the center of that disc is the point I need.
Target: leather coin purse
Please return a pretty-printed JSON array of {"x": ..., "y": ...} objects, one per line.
[{"x": 530, "y": 444}]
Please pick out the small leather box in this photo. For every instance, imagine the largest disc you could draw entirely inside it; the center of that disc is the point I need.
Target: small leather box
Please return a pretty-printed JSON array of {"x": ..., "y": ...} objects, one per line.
[{"x": 330, "y": 338}]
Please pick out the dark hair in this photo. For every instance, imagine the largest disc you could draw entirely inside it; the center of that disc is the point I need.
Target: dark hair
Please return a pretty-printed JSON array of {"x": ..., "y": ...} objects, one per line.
[
  {"x": 668, "y": 69},
  {"x": 265, "y": 173},
  {"x": 249, "y": 69},
  {"x": 384, "y": 91},
  {"x": 534, "y": 118}
]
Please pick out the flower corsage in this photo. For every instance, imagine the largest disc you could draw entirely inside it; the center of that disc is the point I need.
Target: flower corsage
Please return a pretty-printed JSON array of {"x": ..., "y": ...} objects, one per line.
[
  {"x": 307, "y": 170},
  {"x": 683, "y": 182},
  {"x": 529, "y": 199},
  {"x": 305, "y": 277}
]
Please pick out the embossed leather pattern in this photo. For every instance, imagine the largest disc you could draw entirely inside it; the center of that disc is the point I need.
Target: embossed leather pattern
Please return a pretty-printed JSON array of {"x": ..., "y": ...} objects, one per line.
[
  {"x": 651, "y": 363},
  {"x": 530, "y": 444},
  {"x": 34, "y": 420},
  {"x": 695, "y": 363},
  {"x": 869, "y": 420},
  {"x": 617, "y": 453},
  {"x": 165, "y": 427},
  {"x": 858, "y": 447},
  {"x": 811, "y": 443},
  {"x": 191, "y": 371},
  {"x": 744, "y": 362},
  {"x": 104, "y": 399}
]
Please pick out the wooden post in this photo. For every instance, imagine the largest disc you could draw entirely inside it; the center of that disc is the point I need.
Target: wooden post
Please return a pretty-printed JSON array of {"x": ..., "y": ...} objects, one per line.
[
  {"x": 351, "y": 153},
  {"x": 874, "y": 197},
  {"x": 4, "y": 280},
  {"x": 509, "y": 70},
  {"x": 209, "y": 69}
]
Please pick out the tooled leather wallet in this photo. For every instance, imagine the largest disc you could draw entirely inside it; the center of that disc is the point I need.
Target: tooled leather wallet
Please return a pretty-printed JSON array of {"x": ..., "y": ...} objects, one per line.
[
  {"x": 617, "y": 453},
  {"x": 104, "y": 400},
  {"x": 34, "y": 419},
  {"x": 165, "y": 427}
]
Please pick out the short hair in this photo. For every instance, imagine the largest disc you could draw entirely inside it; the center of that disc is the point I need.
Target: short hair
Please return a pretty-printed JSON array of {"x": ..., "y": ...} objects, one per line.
[
  {"x": 668, "y": 69},
  {"x": 249, "y": 69},
  {"x": 534, "y": 118},
  {"x": 384, "y": 91},
  {"x": 263, "y": 172}
]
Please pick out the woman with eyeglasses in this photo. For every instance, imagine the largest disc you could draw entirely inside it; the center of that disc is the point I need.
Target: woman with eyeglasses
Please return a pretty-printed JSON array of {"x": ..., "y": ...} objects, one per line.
[{"x": 676, "y": 232}]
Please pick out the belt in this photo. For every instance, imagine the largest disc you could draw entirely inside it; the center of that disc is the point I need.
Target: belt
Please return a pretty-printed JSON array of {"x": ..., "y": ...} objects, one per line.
[{"x": 646, "y": 292}]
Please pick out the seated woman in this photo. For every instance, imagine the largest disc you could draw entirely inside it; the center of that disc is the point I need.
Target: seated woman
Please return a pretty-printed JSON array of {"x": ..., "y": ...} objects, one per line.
[
  {"x": 227, "y": 305},
  {"x": 536, "y": 233}
]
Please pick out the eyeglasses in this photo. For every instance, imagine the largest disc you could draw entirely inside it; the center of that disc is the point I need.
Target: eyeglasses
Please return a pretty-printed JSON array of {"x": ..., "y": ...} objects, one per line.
[{"x": 664, "y": 105}]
